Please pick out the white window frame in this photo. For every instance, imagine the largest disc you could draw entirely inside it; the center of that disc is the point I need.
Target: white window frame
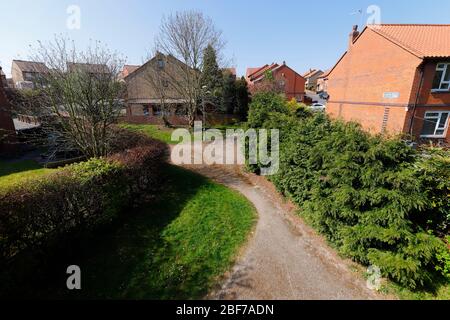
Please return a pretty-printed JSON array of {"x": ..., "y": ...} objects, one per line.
[
  {"x": 445, "y": 68},
  {"x": 444, "y": 134}
]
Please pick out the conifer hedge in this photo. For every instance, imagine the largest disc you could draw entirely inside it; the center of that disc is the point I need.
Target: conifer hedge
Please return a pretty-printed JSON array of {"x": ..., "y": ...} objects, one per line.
[{"x": 377, "y": 200}]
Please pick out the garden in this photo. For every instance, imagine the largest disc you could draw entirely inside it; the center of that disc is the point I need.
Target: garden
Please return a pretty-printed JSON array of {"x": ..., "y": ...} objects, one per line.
[{"x": 137, "y": 227}]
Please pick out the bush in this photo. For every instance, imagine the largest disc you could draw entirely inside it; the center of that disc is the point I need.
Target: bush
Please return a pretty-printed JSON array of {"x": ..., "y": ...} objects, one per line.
[
  {"x": 377, "y": 200},
  {"x": 79, "y": 197},
  {"x": 264, "y": 103}
]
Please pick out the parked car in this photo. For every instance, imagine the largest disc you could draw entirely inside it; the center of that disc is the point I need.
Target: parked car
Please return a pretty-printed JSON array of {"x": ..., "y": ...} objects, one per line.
[{"x": 317, "y": 107}]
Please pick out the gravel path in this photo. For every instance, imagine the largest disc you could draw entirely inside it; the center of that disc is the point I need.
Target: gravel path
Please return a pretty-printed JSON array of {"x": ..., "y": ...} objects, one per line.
[{"x": 284, "y": 258}]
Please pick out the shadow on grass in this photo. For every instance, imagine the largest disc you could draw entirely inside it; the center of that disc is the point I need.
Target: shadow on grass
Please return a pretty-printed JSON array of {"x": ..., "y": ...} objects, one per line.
[
  {"x": 118, "y": 261},
  {"x": 10, "y": 167}
]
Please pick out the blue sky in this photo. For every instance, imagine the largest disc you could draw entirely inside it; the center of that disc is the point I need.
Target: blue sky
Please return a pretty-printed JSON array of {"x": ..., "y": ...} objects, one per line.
[{"x": 303, "y": 33}]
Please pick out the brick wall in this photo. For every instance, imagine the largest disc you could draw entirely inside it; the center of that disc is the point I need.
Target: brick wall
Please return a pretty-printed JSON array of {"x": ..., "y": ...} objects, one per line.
[
  {"x": 294, "y": 83},
  {"x": 428, "y": 100},
  {"x": 373, "y": 66}
]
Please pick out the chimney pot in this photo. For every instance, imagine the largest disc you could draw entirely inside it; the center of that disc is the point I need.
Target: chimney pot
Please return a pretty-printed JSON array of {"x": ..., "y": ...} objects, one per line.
[{"x": 353, "y": 35}]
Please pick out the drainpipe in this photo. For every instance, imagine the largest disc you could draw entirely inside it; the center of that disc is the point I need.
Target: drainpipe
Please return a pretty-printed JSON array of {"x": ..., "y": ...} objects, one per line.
[{"x": 411, "y": 123}]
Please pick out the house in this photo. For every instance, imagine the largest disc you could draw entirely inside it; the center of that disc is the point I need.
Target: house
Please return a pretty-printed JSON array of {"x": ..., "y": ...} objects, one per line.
[
  {"x": 289, "y": 81},
  {"x": 231, "y": 71},
  {"x": 311, "y": 78},
  {"x": 322, "y": 82},
  {"x": 28, "y": 74},
  {"x": 7, "y": 130},
  {"x": 395, "y": 79},
  {"x": 145, "y": 96},
  {"x": 3, "y": 78},
  {"x": 127, "y": 70},
  {"x": 89, "y": 68}
]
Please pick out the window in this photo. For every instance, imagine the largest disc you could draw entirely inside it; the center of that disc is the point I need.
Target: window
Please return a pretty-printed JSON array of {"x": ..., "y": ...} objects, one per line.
[
  {"x": 157, "y": 111},
  {"x": 180, "y": 110},
  {"x": 146, "y": 110},
  {"x": 442, "y": 78},
  {"x": 435, "y": 124},
  {"x": 160, "y": 63},
  {"x": 28, "y": 76}
]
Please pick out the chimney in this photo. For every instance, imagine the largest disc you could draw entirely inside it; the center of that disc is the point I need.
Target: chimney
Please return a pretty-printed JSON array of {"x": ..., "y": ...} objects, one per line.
[{"x": 353, "y": 35}]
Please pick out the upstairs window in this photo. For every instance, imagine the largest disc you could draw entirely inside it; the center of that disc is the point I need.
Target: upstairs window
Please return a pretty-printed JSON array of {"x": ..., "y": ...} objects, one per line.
[
  {"x": 28, "y": 76},
  {"x": 435, "y": 124},
  {"x": 160, "y": 64},
  {"x": 442, "y": 78}
]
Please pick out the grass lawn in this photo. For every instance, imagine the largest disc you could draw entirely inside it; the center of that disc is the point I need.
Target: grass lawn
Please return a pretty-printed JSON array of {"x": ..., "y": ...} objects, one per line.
[
  {"x": 164, "y": 134},
  {"x": 12, "y": 173},
  {"x": 154, "y": 131},
  {"x": 175, "y": 247}
]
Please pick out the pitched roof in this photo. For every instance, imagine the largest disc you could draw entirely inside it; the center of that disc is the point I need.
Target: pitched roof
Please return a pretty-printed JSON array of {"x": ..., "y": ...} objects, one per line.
[
  {"x": 422, "y": 40},
  {"x": 260, "y": 71},
  {"x": 250, "y": 71},
  {"x": 31, "y": 66},
  {"x": 311, "y": 72},
  {"x": 231, "y": 70},
  {"x": 325, "y": 74},
  {"x": 130, "y": 68},
  {"x": 88, "y": 67}
]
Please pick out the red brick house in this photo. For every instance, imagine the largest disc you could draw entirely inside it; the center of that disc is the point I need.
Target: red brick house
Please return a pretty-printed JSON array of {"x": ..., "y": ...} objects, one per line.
[
  {"x": 291, "y": 83},
  {"x": 7, "y": 129},
  {"x": 395, "y": 79}
]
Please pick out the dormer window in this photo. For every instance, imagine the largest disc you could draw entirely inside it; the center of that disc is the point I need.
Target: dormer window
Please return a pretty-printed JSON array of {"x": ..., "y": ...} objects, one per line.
[{"x": 442, "y": 78}]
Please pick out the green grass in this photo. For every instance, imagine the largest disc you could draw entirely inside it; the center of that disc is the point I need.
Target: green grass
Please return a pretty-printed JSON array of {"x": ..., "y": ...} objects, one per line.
[
  {"x": 164, "y": 134},
  {"x": 175, "y": 247},
  {"x": 440, "y": 291},
  {"x": 13, "y": 173},
  {"x": 154, "y": 131}
]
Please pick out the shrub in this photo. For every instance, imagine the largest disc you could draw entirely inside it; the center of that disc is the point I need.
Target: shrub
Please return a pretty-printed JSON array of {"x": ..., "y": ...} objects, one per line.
[
  {"x": 377, "y": 200},
  {"x": 79, "y": 197},
  {"x": 264, "y": 103}
]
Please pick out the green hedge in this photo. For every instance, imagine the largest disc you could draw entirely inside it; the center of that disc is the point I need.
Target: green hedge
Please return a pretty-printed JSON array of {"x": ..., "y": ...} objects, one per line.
[
  {"x": 80, "y": 196},
  {"x": 377, "y": 200}
]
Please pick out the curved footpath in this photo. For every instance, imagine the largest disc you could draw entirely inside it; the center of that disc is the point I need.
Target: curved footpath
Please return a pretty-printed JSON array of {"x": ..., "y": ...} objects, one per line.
[{"x": 284, "y": 258}]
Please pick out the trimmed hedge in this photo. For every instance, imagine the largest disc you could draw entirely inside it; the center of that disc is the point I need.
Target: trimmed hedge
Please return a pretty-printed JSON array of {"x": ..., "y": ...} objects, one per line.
[
  {"x": 377, "y": 200},
  {"x": 80, "y": 196}
]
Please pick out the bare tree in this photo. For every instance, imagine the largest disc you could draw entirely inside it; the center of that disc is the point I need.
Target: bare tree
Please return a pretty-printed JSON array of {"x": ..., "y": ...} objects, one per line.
[
  {"x": 78, "y": 99},
  {"x": 183, "y": 37}
]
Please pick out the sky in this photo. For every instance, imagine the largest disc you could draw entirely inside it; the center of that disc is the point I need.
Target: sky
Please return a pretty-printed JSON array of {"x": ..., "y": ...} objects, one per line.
[{"x": 305, "y": 34}]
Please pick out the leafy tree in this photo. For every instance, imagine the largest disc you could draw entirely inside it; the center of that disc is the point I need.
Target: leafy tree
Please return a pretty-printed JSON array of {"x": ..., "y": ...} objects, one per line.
[
  {"x": 211, "y": 77},
  {"x": 242, "y": 98},
  {"x": 228, "y": 98}
]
